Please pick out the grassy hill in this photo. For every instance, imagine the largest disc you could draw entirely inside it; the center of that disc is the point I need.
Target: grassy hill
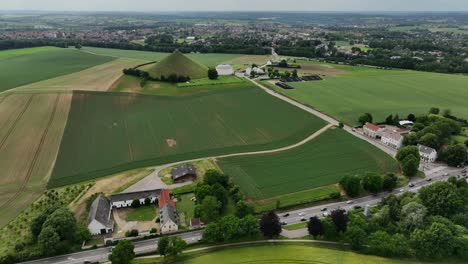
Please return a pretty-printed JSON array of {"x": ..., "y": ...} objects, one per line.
[{"x": 178, "y": 63}]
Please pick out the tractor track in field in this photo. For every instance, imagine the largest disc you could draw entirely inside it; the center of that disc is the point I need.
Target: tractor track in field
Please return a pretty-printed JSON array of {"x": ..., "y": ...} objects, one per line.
[
  {"x": 35, "y": 157},
  {"x": 18, "y": 118}
]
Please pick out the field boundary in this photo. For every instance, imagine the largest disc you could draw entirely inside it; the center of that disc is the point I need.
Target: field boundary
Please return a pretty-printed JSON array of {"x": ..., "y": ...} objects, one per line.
[{"x": 12, "y": 127}]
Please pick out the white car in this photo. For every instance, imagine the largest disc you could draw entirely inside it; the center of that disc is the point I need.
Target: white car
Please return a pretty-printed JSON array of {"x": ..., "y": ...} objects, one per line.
[
  {"x": 350, "y": 202},
  {"x": 301, "y": 213}
]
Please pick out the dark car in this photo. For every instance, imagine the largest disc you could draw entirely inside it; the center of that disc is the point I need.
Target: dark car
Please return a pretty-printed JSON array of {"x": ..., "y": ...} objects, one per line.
[
  {"x": 323, "y": 209},
  {"x": 303, "y": 219},
  {"x": 429, "y": 179},
  {"x": 411, "y": 185},
  {"x": 357, "y": 207},
  {"x": 285, "y": 215},
  {"x": 284, "y": 223}
]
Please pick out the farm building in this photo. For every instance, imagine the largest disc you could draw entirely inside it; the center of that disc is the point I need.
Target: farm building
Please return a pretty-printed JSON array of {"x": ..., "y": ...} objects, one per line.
[
  {"x": 427, "y": 154},
  {"x": 183, "y": 173},
  {"x": 225, "y": 69},
  {"x": 372, "y": 130},
  {"x": 169, "y": 220},
  {"x": 257, "y": 70},
  {"x": 99, "y": 219},
  {"x": 126, "y": 199},
  {"x": 195, "y": 223},
  {"x": 393, "y": 139}
]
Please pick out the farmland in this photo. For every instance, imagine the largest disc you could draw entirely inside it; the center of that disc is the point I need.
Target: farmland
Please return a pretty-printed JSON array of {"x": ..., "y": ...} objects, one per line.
[
  {"x": 207, "y": 59},
  {"x": 282, "y": 253},
  {"x": 112, "y": 132},
  {"x": 31, "y": 127},
  {"x": 21, "y": 67},
  {"x": 320, "y": 162},
  {"x": 358, "y": 90}
]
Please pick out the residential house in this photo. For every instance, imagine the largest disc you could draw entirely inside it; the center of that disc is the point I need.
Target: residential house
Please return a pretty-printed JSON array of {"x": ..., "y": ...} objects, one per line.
[
  {"x": 427, "y": 154},
  {"x": 169, "y": 220},
  {"x": 183, "y": 173},
  {"x": 256, "y": 70},
  {"x": 99, "y": 218},
  {"x": 126, "y": 199},
  {"x": 225, "y": 69},
  {"x": 393, "y": 139},
  {"x": 372, "y": 130}
]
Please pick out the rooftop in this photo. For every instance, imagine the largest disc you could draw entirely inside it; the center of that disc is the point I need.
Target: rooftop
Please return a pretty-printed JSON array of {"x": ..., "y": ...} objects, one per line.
[
  {"x": 183, "y": 170},
  {"x": 134, "y": 195},
  {"x": 100, "y": 211}
]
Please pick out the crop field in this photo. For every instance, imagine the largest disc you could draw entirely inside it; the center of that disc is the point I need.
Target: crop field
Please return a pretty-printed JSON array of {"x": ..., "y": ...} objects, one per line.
[
  {"x": 31, "y": 128},
  {"x": 283, "y": 253},
  {"x": 207, "y": 59},
  {"x": 358, "y": 90},
  {"x": 112, "y": 132},
  {"x": 21, "y": 67},
  {"x": 319, "y": 162},
  {"x": 97, "y": 78}
]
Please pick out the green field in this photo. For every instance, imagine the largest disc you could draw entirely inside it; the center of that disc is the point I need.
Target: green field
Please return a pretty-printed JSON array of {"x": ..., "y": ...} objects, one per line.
[
  {"x": 207, "y": 59},
  {"x": 144, "y": 213},
  {"x": 283, "y": 253},
  {"x": 381, "y": 92},
  {"x": 205, "y": 81},
  {"x": 445, "y": 29},
  {"x": 25, "y": 66},
  {"x": 112, "y": 132},
  {"x": 320, "y": 162}
]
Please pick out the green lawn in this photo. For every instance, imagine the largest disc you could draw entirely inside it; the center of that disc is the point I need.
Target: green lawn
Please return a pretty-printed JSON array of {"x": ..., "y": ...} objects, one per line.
[
  {"x": 220, "y": 80},
  {"x": 283, "y": 253},
  {"x": 381, "y": 93},
  {"x": 25, "y": 66},
  {"x": 111, "y": 132},
  {"x": 143, "y": 213},
  {"x": 185, "y": 207},
  {"x": 297, "y": 198},
  {"x": 208, "y": 59},
  {"x": 296, "y": 226},
  {"x": 320, "y": 162}
]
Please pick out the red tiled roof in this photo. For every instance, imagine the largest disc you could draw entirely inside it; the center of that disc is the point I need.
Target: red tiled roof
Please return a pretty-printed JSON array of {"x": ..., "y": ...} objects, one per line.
[
  {"x": 372, "y": 127},
  {"x": 164, "y": 197}
]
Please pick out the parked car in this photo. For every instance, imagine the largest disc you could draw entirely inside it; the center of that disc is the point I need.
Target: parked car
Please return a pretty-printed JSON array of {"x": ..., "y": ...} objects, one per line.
[
  {"x": 323, "y": 209},
  {"x": 284, "y": 223},
  {"x": 357, "y": 207},
  {"x": 354, "y": 130},
  {"x": 411, "y": 185},
  {"x": 286, "y": 215},
  {"x": 325, "y": 214},
  {"x": 350, "y": 202}
]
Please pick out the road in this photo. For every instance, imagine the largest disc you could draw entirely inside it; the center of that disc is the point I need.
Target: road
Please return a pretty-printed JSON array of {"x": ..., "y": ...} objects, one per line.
[
  {"x": 436, "y": 173},
  {"x": 101, "y": 254}
]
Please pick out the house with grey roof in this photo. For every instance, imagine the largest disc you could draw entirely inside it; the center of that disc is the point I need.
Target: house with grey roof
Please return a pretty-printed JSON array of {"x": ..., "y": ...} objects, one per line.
[
  {"x": 427, "y": 154},
  {"x": 125, "y": 199},
  {"x": 168, "y": 217},
  {"x": 99, "y": 219},
  {"x": 184, "y": 173}
]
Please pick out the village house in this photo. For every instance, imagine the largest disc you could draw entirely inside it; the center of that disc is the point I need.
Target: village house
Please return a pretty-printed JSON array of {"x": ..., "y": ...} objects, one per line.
[
  {"x": 169, "y": 220},
  {"x": 224, "y": 70},
  {"x": 392, "y": 139},
  {"x": 125, "y": 199},
  {"x": 372, "y": 130},
  {"x": 427, "y": 154},
  {"x": 195, "y": 223},
  {"x": 256, "y": 70},
  {"x": 99, "y": 219},
  {"x": 183, "y": 173}
]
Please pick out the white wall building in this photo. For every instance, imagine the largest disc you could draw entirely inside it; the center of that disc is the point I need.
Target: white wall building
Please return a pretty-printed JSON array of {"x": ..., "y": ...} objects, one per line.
[
  {"x": 99, "y": 219},
  {"x": 372, "y": 130},
  {"x": 427, "y": 154},
  {"x": 125, "y": 199},
  {"x": 393, "y": 139}
]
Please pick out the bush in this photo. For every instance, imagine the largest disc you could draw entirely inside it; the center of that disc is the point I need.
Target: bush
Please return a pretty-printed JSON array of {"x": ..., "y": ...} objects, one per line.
[
  {"x": 131, "y": 233},
  {"x": 136, "y": 203},
  {"x": 153, "y": 230}
]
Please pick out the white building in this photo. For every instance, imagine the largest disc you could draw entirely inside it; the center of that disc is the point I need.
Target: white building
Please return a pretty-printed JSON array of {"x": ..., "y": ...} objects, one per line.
[
  {"x": 257, "y": 70},
  {"x": 372, "y": 130},
  {"x": 169, "y": 220},
  {"x": 125, "y": 199},
  {"x": 393, "y": 139},
  {"x": 427, "y": 154},
  {"x": 99, "y": 219},
  {"x": 224, "y": 69}
]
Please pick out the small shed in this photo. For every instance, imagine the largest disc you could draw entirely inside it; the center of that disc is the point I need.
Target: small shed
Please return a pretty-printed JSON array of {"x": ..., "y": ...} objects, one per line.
[
  {"x": 195, "y": 223},
  {"x": 183, "y": 173}
]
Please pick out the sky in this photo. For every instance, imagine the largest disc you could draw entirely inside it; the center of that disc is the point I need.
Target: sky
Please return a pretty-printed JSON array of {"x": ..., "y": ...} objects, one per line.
[{"x": 235, "y": 5}]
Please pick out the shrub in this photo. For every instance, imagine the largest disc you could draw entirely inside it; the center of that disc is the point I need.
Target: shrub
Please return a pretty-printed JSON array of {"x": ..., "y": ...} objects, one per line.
[{"x": 131, "y": 233}]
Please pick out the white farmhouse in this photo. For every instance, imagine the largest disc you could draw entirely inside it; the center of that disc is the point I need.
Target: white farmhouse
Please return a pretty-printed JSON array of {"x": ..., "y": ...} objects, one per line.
[
  {"x": 372, "y": 130},
  {"x": 224, "y": 69},
  {"x": 257, "y": 70},
  {"x": 393, "y": 139},
  {"x": 99, "y": 219},
  {"x": 427, "y": 154},
  {"x": 125, "y": 199},
  {"x": 169, "y": 220}
]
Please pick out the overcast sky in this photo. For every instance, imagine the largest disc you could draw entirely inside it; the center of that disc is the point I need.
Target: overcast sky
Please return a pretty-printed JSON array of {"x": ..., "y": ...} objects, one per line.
[{"x": 236, "y": 5}]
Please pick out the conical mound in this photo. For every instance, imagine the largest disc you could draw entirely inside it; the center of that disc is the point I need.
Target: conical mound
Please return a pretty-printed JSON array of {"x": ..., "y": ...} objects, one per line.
[{"x": 178, "y": 63}]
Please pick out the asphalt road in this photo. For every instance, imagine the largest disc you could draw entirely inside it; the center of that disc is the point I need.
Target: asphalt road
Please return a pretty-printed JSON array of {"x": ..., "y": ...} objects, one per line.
[{"x": 101, "y": 254}]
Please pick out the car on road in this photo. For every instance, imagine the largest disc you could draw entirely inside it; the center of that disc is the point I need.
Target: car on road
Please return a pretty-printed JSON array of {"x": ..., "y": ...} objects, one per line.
[
  {"x": 429, "y": 179},
  {"x": 286, "y": 215},
  {"x": 402, "y": 190},
  {"x": 303, "y": 219},
  {"x": 284, "y": 223},
  {"x": 411, "y": 185},
  {"x": 86, "y": 262},
  {"x": 325, "y": 214},
  {"x": 445, "y": 174},
  {"x": 350, "y": 202},
  {"x": 357, "y": 207},
  {"x": 110, "y": 249},
  {"x": 354, "y": 130},
  {"x": 301, "y": 214},
  {"x": 323, "y": 209}
]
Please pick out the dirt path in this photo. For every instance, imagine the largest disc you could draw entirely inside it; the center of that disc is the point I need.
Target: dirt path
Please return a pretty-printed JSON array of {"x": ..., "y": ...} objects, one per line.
[{"x": 153, "y": 181}]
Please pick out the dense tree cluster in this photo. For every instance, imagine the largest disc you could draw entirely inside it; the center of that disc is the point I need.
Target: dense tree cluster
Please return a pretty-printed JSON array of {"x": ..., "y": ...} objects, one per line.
[
  {"x": 370, "y": 182},
  {"x": 231, "y": 228}
]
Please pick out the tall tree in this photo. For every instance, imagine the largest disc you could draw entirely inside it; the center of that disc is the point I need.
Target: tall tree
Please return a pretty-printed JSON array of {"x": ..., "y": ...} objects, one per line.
[
  {"x": 63, "y": 222},
  {"x": 163, "y": 245},
  {"x": 315, "y": 227},
  {"x": 270, "y": 225},
  {"x": 389, "y": 182},
  {"x": 351, "y": 184},
  {"x": 455, "y": 155},
  {"x": 410, "y": 166},
  {"x": 412, "y": 216},
  {"x": 210, "y": 209},
  {"x": 176, "y": 246},
  {"x": 212, "y": 74},
  {"x": 441, "y": 198},
  {"x": 435, "y": 242},
  {"x": 365, "y": 118},
  {"x": 356, "y": 237},
  {"x": 340, "y": 219},
  {"x": 48, "y": 241},
  {"x": 122, "y": 253},
  {"x": 372, "y": 182}
]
